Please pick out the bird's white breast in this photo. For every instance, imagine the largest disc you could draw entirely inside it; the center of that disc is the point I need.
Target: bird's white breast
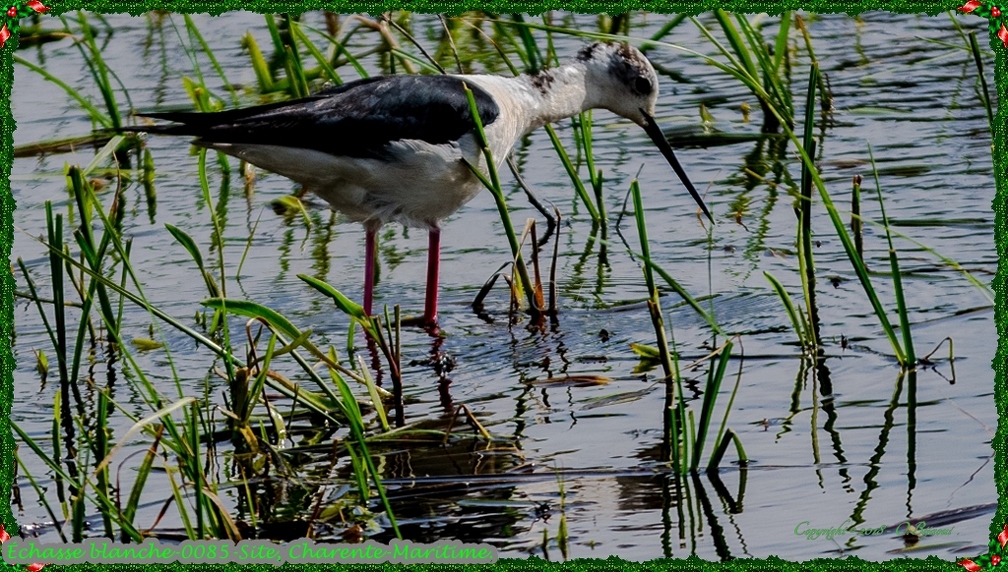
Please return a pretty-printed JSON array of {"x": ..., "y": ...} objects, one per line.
[{"x": 418, "y": 186}]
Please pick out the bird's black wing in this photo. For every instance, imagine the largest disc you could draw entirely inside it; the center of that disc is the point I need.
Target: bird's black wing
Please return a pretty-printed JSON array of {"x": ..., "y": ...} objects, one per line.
[{"x": 357, "y": 119}]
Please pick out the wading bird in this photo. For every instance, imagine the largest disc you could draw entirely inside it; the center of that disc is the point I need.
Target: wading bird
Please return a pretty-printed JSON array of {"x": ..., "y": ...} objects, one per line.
[{"x": 394, "y": 148}]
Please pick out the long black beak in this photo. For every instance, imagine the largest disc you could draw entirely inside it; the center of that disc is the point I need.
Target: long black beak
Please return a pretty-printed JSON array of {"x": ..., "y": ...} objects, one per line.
[{"x": 658, "y": 137}]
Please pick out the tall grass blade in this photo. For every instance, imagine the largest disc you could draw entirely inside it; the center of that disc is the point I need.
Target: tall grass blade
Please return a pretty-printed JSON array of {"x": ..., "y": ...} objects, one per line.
[
  {"x": 274, "y": 33},
  {"x": 190, "y": 246},
  {"x": 143, "y": 472},
  {"x": 723, "y": 429},
  {"x": 789, "y": 308},
  {"x": 736, "y": 42},
  {"x": 654, "y": 305},
  {"x": 41, "y": 494},
  {"x": 665, "y": 30},
  {"x": 259, "y": 65},
  {"x": 101, "y": 449},
  {"x": 687, "y": 297},
  {"x": 357, "y": 431},
  {"x": 781, "y": 46},
  {"x": 901, "y": 306},
  {"x": 984, "y": 93},
  {"x": 718, "y": 454},
  {"x": 857, "y": 226},
  {"x": 323, "y": 61},
  {"x": 140, "y": 425},
  {"x": 107, "y": 150},
  {"x": 55, "y": 235},
  {"x": 338, "y": 48},
  {"x": 535, "y": 60},
  {"x": 257, "y": 311},
  {"x": 806, "y": 261},
  {"x": 180, "y": 503},
  {"x": 344, "y": 304},
  {"x": 96, "y": 115},
  {"x": 711, "y": 390},
  {"x": 194, "y": 32},
  {"x": 493, "y": 184},
  {"x": 859, "y": 268},
  {"x": 767, "y": 65},
  {"x": 99, "y": 71},
  {"x": 77, "y": 515},
  {"x": 579, "y": 187}
]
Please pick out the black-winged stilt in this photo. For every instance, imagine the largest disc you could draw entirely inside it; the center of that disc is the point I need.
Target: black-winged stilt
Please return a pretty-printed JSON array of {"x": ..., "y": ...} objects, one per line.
[{"x": 391, "y": 148}]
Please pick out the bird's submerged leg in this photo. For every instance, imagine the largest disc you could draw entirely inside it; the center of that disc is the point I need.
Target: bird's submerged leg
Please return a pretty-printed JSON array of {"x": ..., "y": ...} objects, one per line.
[
  {"x": 369, "y": 266},
  {"x": 433, "y": 264}
]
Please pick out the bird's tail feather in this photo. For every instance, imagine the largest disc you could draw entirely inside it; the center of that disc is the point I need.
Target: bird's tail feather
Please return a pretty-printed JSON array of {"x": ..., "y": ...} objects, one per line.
[
  {"x": 197, "y": 123},
  {"x": 172, "y": 129}
]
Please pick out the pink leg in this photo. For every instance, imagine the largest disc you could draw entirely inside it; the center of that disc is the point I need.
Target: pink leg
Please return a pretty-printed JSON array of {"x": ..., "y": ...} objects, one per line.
[
  {"x": 369, "y": 265},
  {"x": 433, "y": 263}
]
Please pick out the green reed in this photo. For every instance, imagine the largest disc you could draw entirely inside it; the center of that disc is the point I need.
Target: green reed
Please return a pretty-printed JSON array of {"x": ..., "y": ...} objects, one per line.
[
  {"x": 806, "y": 263},
  {"x": 685, "y": 439},
  {"x": 323, "y": 61},
  {"x": 197, "y": 38},
  {"x": 96, "y": 115},
  {"x": 665, "y": 30},
  {"x": 77, "y": 443},
  {"x": 259, "y": 65},
  {"x": 809, "y": 168},
  {"x": 71, "y": 433},
  {"x": 984, "y": 92},
  {"x": 493, "y": 184},
  {"x": 100, "y": 72},
  {"x": 798, "y": 320},
  {"x": 857, "y": 227},
  {"x": 901, "y": 306},
  {"x": 760, "y": 61}
]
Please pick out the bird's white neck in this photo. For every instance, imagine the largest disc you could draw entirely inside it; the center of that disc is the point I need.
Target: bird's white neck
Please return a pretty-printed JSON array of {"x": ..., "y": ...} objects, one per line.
[
  {"x": 554, "y": 94},
  {"x": 528, "y": 102},
  {"x": 532, "y": 101}
]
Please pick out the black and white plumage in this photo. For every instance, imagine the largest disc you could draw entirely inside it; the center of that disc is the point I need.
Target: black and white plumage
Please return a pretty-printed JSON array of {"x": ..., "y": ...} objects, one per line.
[{"x": 391, "y": 148}]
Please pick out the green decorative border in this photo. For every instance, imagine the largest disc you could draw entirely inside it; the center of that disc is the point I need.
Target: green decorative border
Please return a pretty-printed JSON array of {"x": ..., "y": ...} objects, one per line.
[
  {"x": 614, "y": 564},
  {"x": 999, "y": 206}
]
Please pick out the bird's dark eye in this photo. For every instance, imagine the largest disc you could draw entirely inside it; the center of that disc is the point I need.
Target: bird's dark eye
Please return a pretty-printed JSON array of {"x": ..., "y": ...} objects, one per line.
[{"x": 642, "y": 86}]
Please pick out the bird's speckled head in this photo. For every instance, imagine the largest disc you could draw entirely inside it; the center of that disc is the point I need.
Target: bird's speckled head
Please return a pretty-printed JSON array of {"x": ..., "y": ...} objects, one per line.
[{"x": 621, "y": 79}]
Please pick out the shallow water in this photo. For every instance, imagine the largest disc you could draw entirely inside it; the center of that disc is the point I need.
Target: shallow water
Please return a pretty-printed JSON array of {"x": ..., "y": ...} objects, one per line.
[{"x": 874, "y": 448}]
